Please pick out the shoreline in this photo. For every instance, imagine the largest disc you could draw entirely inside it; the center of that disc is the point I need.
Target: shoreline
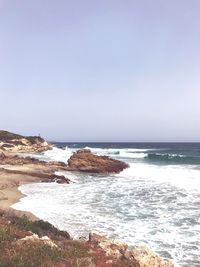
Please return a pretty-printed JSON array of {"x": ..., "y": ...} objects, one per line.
[
  {"x": 16, "y": 171},
  {"x": 10, "y": 180},
  {"x": 13, "y": 195},
  {"x": 20, "y": 171},
  {"x": 10, "y": 196}
]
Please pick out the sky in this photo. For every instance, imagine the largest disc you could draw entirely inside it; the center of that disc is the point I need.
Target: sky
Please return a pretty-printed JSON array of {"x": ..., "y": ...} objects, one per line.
[{"x": 109, "y": 70}]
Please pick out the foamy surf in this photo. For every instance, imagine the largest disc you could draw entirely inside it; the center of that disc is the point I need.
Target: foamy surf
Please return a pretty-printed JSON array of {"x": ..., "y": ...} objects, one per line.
[{"x": 152, "y": 204}]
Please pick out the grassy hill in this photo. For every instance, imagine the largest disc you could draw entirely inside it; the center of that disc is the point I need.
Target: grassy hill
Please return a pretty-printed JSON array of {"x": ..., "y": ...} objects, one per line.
[
  {"x": 10, "y": 141},
  {"x": 6, "y": 136}
]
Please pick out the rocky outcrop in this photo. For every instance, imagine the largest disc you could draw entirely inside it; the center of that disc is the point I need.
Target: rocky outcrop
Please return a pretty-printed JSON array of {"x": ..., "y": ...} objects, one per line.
[
  {"x": 35, "y": 238},
  {"x": 44, "y": 177},
  {"x": 146, "y": 257},
  {"x": 11, "y": 159},
  {"x": 84, "y": 161},
  {"x": 138, "y": 257},
  {"x": 18, "y": 143},
  {"x": 27, "y": 166}
]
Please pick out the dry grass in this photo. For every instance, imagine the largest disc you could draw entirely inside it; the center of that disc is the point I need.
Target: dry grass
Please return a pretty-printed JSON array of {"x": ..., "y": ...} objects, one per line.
[
  {"x": 66, "y": 253},
  {"x": 36, "y": 254}
]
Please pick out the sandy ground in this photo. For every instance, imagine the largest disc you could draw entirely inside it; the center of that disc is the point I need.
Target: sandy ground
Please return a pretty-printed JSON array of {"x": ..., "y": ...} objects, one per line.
[
  {"x": 9, "y": 193},
  {"x": 15, "y": 171},
  {"x": 11, "y": 196}
]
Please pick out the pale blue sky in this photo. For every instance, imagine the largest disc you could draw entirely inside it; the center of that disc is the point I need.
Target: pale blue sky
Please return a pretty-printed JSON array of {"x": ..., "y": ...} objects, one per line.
[{"x": 109, "y": 70}]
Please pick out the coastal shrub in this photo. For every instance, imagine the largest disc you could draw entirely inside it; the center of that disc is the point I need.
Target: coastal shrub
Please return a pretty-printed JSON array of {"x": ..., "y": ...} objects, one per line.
[
  {"x": 33, "y": 254},
  {"x": 75, "y": 249},
  {"x": 4, "y": 234},
  {"x": 40, "y": 227},
  {"x": 7, "y": 136},
  {"x": 29, "y": 254},
  {"x": 7, "y": 233}
]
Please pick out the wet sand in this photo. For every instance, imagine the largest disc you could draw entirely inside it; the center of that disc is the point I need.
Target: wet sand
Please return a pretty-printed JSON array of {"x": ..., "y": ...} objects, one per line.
[
  {"x": 11, "y": 196},
  {"x": 9, "y": 193}
]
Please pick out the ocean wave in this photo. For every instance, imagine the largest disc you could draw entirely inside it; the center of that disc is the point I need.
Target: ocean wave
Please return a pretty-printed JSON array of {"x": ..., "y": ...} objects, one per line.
[
  {"x": 57, "y": 154},
  {"x": 124, "y": 154},
  {"x": 144, "y": 204},
  {"x": 173, "y": 158},
  {"x": 182, "y": 176},
  {"x": 149, "y": 155},
  {"x": 121, "y": 153},
  {"x": 104, "y": 151},
  {"x": 149, "y": 203}
]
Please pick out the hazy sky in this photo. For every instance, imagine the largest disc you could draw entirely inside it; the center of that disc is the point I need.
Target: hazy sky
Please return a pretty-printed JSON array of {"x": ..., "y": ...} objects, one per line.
[{"x": 101, "y": 70}]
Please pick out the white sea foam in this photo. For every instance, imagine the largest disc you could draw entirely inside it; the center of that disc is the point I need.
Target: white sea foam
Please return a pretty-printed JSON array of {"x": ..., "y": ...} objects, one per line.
[
  {"x": 124, "y": 154},
  {"x": 144, "y": 204},
  {"x": 64, "y": 154},
  {"x": 133, "y": 153},
  {"x": 55, "y": 153},
  {"x": 59, "y": 154},
  {"x": 182, "y": 176}
]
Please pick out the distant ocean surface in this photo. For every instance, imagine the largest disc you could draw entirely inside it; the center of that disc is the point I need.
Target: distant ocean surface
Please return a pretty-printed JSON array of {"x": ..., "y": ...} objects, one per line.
[{"x": 155, "y": 202}]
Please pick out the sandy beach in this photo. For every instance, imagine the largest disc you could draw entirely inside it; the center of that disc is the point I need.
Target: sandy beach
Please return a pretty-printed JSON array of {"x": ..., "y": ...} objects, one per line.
[
  {"x": 9, "y": 193},
  {"x": 13, "y": 175}
]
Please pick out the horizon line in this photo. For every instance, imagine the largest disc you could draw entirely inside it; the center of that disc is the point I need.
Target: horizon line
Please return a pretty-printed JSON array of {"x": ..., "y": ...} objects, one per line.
[{"x": 123, "y": 142}]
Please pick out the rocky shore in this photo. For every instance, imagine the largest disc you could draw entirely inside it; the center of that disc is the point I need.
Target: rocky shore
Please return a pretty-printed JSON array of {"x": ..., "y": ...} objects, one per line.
[
  {"x": 26, "y": 243},
  {"x": 97, "y": 251},
  {"x": 17, "y": 169},
  {"x": 18, "y": 143}
]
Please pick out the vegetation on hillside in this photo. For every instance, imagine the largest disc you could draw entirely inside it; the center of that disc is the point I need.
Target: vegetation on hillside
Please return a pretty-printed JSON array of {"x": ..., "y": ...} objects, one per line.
[
  {"x": 16, "y": 251},
  {"x": 6, "y": 136}
]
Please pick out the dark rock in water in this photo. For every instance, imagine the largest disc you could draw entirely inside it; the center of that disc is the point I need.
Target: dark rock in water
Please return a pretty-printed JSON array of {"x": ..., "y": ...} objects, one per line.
[{"x": 84, "y": 161}]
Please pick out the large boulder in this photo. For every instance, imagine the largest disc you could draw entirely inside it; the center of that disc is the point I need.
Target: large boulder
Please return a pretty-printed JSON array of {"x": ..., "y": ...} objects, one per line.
[
  {"x": 138, "y": 257},
  {"x": 84, "y": 161}
]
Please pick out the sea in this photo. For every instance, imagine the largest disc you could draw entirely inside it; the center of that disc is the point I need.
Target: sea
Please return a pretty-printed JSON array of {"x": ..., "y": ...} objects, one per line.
[{"x": 155, "y": 202}]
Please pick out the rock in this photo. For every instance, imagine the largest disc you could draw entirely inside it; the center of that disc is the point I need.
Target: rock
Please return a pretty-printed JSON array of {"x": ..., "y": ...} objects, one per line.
[
  {"x": 35, "y": 238},
  {"x": 112, "y": 248},
  {"x": 7, "y": 158},
  {"x": 18, "y": 143},
  {"x": 44, "y": 177},
  {"x": 27, "y": 166},
  {"x": 117, "y": 250},
  {"x": 146, "y": 257},
  {"x": 84, "y": 161}
]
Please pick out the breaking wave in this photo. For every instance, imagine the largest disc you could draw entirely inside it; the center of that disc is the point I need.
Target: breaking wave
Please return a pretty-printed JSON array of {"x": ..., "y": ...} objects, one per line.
[
  {"x": 154, "y": 202},
  {"x": 173, "y": 158}
]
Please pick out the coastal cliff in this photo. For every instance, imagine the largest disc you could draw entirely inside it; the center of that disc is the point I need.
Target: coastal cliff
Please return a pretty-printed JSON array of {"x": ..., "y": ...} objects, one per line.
[{"x": 17, "y": 143}]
